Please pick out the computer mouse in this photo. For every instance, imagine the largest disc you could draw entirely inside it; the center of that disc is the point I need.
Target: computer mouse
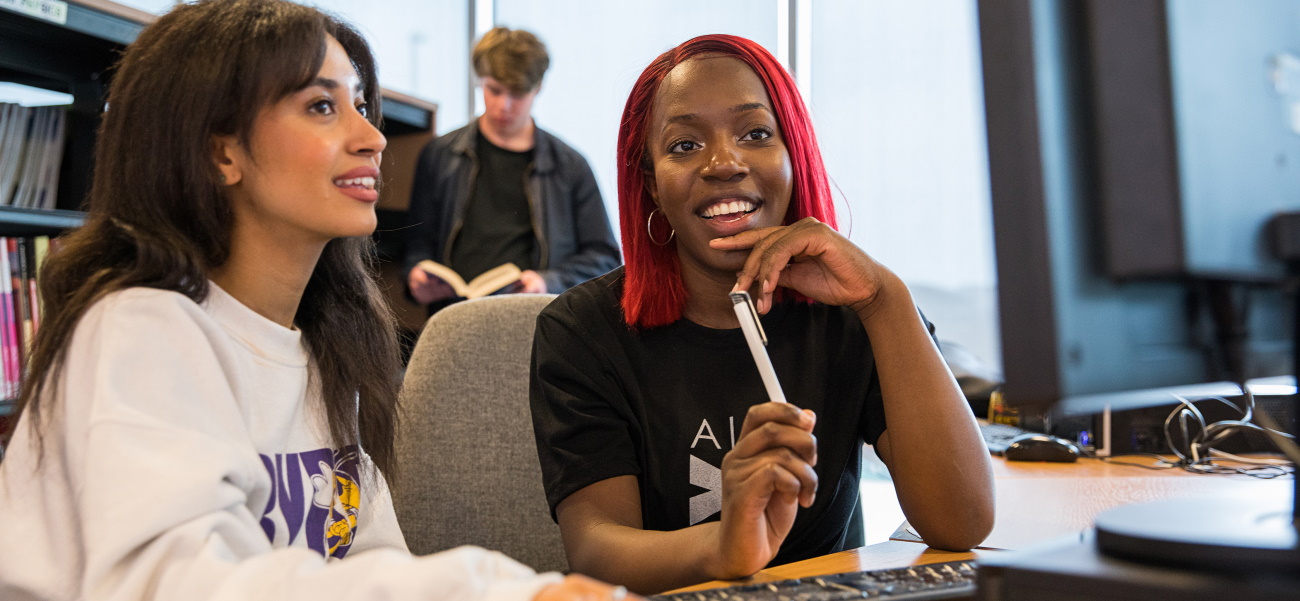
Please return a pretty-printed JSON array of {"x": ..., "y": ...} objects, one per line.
[{"x": 1041, "y": 447}]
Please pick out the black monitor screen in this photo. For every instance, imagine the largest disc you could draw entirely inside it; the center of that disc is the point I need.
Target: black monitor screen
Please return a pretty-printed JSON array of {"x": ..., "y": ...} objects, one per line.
[{"x": 1136, "y": 150}]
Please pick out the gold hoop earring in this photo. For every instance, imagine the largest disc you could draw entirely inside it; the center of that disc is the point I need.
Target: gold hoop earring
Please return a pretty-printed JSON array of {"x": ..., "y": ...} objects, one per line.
[{"x": 650, "y": 231}]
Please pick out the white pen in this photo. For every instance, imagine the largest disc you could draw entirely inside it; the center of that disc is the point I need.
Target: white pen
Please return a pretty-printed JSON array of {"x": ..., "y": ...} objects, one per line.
[{"x": 757, "y": 340}]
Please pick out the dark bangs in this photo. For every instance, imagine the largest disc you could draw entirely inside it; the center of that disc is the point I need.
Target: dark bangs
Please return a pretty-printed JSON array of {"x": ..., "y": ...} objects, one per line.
[{"x": 270, "y": 66}]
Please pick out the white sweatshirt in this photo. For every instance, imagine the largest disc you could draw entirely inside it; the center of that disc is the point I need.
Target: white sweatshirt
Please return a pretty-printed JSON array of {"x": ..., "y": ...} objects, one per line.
[{"x": 155, "y": 475}]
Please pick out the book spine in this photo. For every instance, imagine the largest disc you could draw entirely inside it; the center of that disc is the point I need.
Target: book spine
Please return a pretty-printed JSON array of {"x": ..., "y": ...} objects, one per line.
[
  {"x": 29, "y": 283},
  {"x": 10, "y": 331},
  {"x": 15, "y": 136},
  {"x": 55, "y": 156},
  {"x": 31, "y": 158},
  {"x": 18, "y": 265},
  {"x": 40, "y": 248}
]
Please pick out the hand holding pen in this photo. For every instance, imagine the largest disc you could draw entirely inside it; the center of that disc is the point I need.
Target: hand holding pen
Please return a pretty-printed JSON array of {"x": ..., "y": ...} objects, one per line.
[
  {"x": 769, "y": 473},
  {"x": 766, "y": 477}
]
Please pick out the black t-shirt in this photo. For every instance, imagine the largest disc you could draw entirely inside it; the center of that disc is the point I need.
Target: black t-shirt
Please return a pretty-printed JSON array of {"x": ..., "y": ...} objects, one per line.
[
  {"x": 497, "y": 226},
  {"x": 666, "y": 404}
]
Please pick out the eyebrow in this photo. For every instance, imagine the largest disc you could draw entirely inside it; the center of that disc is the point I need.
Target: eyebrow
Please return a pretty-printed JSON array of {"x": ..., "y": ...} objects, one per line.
[
  {"x": 739, "y": 108},
  {"x": 332, "y": 85}
]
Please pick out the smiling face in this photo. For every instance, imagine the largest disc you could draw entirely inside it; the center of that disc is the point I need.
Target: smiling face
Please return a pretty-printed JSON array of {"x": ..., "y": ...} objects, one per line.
[
  {"x": 310, "y": 165},
  {"x": 720, "y": 166}
]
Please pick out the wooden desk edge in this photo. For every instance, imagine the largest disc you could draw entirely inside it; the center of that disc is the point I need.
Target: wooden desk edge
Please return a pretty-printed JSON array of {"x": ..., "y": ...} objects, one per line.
[
  {"x": 898, "y": 553},
  {"x": 889, "y": 554}
]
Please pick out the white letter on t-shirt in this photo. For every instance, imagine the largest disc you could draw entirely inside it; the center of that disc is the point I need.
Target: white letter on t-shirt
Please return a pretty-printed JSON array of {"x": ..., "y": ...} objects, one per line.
[
  {"x": 704, "y": 427},
  {"x": 709, "y": 478}
]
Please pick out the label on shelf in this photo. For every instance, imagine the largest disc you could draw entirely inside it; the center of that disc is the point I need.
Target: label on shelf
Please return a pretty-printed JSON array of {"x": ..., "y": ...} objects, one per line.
[{"x": 50, "y": 10}]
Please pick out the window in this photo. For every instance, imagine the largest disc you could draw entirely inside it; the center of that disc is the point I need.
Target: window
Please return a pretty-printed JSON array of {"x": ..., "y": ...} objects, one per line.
[
  {"x": 421, "y": 47},
  {"x": 898, "y": 101},
  {"x": 599, "y": 48}
]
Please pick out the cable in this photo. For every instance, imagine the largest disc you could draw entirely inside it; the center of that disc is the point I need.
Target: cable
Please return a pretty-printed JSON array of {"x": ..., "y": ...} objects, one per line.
[
  {"x": 1160, "y": 465},
  {"x": 1192, "y": 440},
  {"x": 1195, "y": 449},
  {"x": 1283, "y": 441},
  {"x": 1183, "y": 413},
  {"x": 1257, "y": 468},
  {"x": 1253, "y": 460}
]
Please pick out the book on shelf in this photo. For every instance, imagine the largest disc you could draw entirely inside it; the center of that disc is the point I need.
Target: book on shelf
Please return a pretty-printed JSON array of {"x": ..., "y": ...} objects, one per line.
[
  {"x": 9, "y": 332},
  {"x": 13, "y": 120},
  {"x": 502, "y": 279},
  {"x": 31, "y": 150},
  {"x": 33, "y": 158},
  {"x": 43, "y": 186},
  {"x": 40, "y": 248},
  {"x": 22, "y": 279},
  {"x": 20, "y": 262}
]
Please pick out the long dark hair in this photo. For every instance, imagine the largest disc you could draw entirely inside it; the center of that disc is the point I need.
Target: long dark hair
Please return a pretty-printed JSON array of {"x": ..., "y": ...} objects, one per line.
[
  {"x": 653, "y": 293},
  {"x": 158, "y": 217}
]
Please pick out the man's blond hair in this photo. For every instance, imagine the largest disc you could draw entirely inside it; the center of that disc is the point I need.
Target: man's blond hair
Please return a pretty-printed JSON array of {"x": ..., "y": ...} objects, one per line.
[{"x": 516, "y": 58}]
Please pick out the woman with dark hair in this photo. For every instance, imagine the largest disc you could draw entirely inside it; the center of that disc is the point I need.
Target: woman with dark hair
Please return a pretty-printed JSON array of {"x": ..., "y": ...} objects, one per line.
[
  {"x": 663, "y": 464},
  {"x": 211, "y": 402}
]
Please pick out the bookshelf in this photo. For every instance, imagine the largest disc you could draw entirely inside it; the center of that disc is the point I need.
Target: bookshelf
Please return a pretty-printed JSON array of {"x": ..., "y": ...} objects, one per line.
[
  {"x": 70, "y": 46},
  {"x": 17, "y": 221}
]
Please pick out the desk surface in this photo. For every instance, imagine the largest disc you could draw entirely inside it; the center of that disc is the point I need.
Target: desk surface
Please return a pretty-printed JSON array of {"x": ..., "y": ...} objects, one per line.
[{"x": 1036, "y": 502}]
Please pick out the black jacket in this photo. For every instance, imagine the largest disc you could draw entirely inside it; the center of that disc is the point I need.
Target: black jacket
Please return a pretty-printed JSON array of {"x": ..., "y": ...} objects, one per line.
[{"x": 574, "y": 239}]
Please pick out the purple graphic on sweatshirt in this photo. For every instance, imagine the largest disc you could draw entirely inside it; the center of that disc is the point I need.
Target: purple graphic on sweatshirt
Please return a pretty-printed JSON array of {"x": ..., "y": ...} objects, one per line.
[{"x": 315, "y": 494}]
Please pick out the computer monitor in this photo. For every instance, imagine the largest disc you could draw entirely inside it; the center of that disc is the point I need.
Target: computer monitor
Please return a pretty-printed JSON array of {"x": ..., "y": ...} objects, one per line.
[
  {"x": 1137, "y": 148},
  {"x": 1136, "y": 151}
]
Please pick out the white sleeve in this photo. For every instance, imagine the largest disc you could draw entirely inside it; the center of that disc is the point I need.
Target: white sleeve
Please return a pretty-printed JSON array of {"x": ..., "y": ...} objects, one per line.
[{"x": 161, "y": 466}]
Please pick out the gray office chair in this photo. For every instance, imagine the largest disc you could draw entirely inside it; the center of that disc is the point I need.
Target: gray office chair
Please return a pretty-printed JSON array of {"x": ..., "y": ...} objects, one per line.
[{"x": 466, "y": 451}]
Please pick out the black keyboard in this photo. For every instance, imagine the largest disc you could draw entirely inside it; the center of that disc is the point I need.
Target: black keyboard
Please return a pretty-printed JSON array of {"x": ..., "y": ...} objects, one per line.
[
  {"x": 951, "y": 580},
  {"x": 998, "y": 436}
]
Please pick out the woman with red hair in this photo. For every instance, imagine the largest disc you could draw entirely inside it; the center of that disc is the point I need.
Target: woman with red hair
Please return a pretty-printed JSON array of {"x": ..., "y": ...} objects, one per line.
[{"x": 663, "y": 464}]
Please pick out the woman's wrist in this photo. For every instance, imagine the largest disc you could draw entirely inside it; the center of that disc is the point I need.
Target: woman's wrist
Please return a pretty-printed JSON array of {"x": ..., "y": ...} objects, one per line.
[
  {"x": 715, "y": 560},
  {"x": 888, "y": 295},
  {"x": 723, "y": 561}
]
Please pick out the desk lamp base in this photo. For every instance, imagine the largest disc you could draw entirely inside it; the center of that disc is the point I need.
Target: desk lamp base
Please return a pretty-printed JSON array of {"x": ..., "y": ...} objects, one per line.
[{"x": 1220, "y": 535}]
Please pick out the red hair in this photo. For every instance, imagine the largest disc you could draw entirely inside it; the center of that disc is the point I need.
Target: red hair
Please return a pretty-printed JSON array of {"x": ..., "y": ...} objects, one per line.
[{"x": 653, "y": 293}]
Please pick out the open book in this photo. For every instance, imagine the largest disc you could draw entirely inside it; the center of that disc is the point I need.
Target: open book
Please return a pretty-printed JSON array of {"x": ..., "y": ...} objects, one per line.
[{"x": 502, "y": 278}]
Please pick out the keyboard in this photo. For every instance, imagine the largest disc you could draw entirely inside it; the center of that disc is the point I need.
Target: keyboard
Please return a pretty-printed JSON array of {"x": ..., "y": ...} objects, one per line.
[
  {"x": 998, "y": 436},
  {"x": 951, "y": 580}
]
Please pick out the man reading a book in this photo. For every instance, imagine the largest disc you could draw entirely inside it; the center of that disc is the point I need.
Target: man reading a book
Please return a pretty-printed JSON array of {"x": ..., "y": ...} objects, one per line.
[{"x": 502, "y": 190}]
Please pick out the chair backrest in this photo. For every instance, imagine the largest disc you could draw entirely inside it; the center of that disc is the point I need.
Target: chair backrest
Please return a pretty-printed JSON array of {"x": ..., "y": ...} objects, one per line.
[{"x": 466, "y": 451}]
